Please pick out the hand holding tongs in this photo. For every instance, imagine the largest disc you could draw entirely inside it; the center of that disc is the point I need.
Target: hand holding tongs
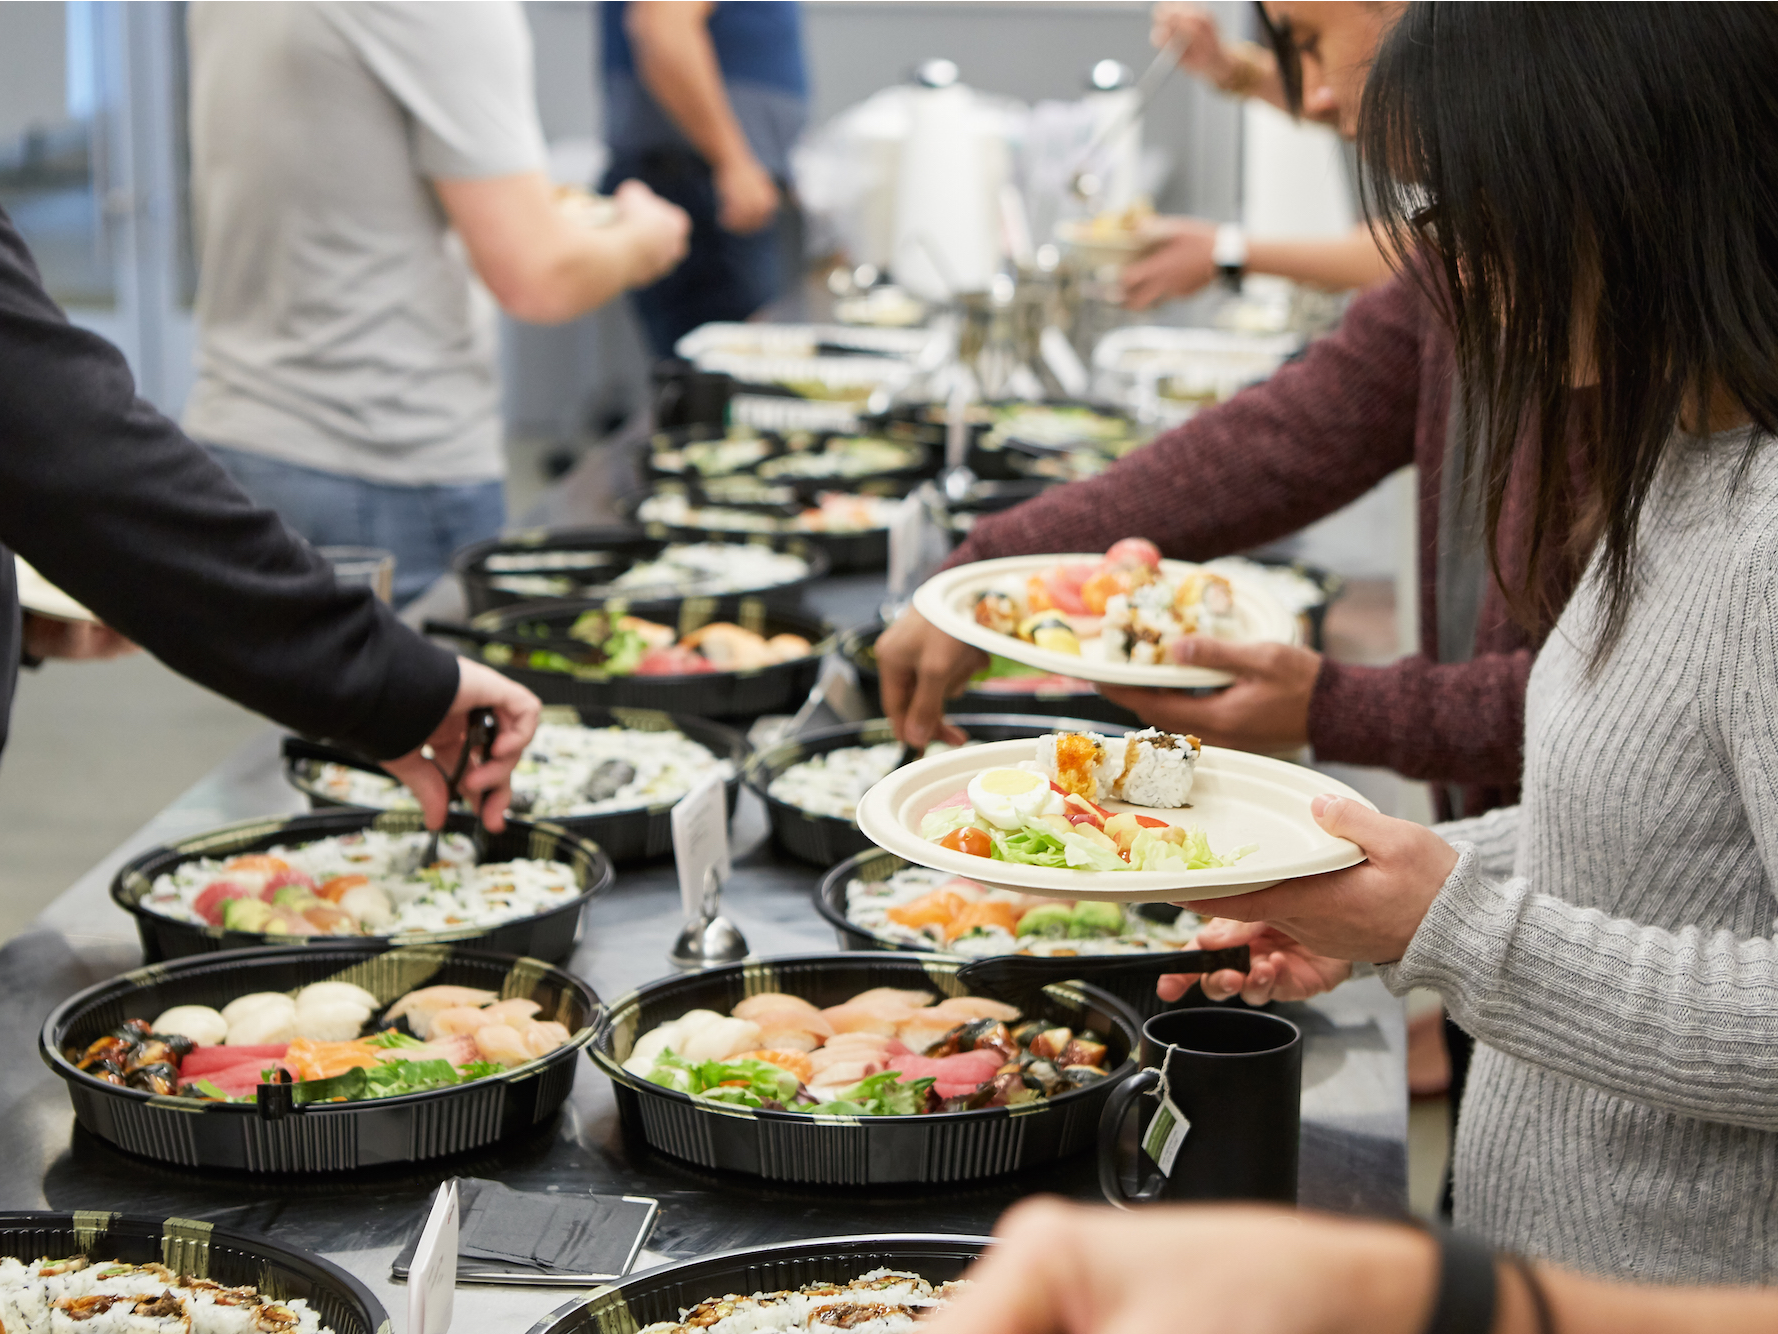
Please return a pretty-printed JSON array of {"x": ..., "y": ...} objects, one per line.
[{"x": 480, "y": 731}]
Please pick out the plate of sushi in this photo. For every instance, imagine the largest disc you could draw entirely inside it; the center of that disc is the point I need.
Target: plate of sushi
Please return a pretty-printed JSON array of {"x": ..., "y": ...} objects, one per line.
[
  {"x": 357, "y": 874},
  {"x": 1137, "y": 817},
  {"x": 106, "y": 1272},
  {"x": 323, "y": 1059},
  {"x": 874, "y": 1285},
  {"x": 1117, "y": 619},
  {"x": 855, "y": 1068}
]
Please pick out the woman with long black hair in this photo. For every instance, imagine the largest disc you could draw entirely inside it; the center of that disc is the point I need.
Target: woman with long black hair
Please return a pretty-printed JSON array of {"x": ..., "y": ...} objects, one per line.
[{"x": 1595, "y": 188}]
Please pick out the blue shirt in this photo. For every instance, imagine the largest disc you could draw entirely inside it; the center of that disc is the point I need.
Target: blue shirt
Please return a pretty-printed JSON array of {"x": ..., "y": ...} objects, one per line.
[{"x": 759, "y": 48}]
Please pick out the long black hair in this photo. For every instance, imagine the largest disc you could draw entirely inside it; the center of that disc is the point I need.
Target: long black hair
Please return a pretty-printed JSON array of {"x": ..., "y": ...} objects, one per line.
[{"x": 1592, "y": 184}]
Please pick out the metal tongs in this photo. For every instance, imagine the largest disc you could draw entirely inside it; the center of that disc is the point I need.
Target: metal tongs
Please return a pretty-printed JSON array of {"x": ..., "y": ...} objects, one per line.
[
  {"x": 1083, "y": 183},
  {"x": 482, "y": 728}
]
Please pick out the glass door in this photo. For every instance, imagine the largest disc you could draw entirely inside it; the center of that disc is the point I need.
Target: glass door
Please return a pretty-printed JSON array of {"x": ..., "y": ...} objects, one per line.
[{"x": 92, "y": 172}]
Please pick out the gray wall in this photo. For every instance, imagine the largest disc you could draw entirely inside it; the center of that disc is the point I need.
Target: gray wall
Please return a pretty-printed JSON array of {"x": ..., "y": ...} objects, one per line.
[
  {"x": 557, "y": 378},
  {"x": 32, "y": 69}
]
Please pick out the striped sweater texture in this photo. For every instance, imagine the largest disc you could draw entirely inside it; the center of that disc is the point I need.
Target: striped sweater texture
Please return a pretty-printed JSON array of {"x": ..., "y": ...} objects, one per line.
[{"x": 1610, "y": 941}]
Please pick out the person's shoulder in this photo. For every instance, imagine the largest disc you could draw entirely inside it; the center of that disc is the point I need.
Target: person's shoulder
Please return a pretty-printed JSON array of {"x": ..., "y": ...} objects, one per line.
[{"x": 420, "y": 29}]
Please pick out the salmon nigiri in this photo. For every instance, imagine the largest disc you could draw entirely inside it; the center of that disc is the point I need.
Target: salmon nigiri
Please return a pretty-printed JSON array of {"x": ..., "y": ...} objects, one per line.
[
  {"x": 754, "y": 1006},
  {"x": 912, "y": 999},
  {"x": 966, "y": 1008}
]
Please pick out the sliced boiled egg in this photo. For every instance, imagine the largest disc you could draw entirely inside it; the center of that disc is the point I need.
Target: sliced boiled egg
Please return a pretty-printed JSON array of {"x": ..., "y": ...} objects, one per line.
[{"x": 1006, "y": 798}]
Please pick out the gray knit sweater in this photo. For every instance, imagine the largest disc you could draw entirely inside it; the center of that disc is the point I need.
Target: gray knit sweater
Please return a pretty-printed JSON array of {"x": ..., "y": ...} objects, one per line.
[{"x": 1609, "y": 942}]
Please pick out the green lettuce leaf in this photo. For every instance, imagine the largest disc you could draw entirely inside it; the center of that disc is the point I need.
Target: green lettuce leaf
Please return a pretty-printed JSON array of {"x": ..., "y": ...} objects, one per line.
[
  {"x": 934, "y": 825},
  {"x": 878, "y": 1095}
]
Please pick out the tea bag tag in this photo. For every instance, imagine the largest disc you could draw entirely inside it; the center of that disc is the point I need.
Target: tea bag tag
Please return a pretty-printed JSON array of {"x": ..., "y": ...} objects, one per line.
[
  {"x": 1167, "y": 1131},
  {"x": 432, "y": 1276}
]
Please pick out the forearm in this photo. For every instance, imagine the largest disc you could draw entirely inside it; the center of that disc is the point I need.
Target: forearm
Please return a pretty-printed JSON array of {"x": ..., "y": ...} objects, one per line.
[
  {"x": 1584, "y": 1305},
  {"x": 1341, "y": 264},
  {"x": 540, "y": 262},
  {"x": 1494, "y": 836},
  {"x": 1439, "y": 722},
  {"x": 676, "y": 62},
  {"x": 1678, "y": 1020}
]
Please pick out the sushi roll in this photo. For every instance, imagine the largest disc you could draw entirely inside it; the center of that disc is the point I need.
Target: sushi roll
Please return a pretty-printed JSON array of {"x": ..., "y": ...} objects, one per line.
[{"x": 1148, "y": 768}]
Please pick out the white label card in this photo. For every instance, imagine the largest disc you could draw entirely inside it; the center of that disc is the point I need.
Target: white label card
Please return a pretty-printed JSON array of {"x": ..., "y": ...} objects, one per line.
[
  {"x": 700, "y": 842},
  {"x": 907, "y": 546},
  {"x": 1166, "y": 1134},
  {"x": 432, "y": 1277}
]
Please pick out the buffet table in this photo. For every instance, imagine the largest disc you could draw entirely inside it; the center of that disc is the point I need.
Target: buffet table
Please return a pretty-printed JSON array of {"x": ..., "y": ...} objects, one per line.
[{"x": 1354, "y": 1087}]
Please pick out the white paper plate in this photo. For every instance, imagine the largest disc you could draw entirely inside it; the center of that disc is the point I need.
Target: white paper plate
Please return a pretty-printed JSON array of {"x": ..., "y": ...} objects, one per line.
[
  {"x": 948, "y": 601},
  {"x": 1236, "y": 799},
  {"x": 37, "y": 594}
]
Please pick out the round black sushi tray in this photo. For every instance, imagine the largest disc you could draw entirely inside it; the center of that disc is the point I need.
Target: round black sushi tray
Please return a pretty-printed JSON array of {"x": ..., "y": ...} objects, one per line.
[
  {"x": 859, "y": 552},
  {"x": 622, "y": 547},
  {"x": 779, "y": 688},
  {"x": 663, "y": 1292},
  {"x": 859, "y": 647},
  {"x": 630, "y": 835},
  {"x": 278, "y": 1135},
  {"x": 1133, "y": 988},
  {"x": 873, "y": 1150},
  {"x": 826, "y": 839},
  {"x": 199, "y": 1250},
  {"x": 550, "y": 935}
]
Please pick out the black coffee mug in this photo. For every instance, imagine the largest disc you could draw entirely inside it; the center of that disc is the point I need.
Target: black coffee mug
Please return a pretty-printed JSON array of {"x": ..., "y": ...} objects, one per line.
[{"x": 1237, "y": 1078}]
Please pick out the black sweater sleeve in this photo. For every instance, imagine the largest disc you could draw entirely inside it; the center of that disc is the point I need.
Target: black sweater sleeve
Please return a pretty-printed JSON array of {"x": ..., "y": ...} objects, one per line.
[{"x": 113, "y": 502}]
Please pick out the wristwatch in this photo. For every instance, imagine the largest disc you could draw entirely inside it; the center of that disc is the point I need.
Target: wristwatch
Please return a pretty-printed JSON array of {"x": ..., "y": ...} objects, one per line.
[{"x": 1229, "y": 253}]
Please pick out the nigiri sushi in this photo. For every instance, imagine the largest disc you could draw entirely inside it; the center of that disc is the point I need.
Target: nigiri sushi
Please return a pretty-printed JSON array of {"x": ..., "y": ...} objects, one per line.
[{"x": 419, "y": 1007}]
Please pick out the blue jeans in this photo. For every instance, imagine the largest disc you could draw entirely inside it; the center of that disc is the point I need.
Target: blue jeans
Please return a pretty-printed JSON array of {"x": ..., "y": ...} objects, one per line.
[
  {"x": 422, "y": 525},
  {"x": 725, "y": 276}
]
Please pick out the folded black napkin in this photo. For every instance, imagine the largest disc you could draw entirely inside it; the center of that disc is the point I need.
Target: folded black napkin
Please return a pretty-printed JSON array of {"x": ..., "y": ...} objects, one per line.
[{"x": 510, "y": 1236}]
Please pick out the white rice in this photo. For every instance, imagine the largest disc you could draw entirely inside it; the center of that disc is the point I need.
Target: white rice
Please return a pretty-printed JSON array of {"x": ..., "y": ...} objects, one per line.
[
  {"x": 835, "y": 782},
  {"x": 884, "y": 1301},
  {"x": 445, "y": 898},
  {"x": 29, "y": 1301},
  {"x": 1159, "y": 777},
  {"x": 551, "y": 777}
]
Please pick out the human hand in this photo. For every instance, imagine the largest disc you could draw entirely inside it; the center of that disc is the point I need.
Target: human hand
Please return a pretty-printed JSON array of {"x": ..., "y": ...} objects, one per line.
[
  {"x": 487, "y": 786},
  {"x": 1369, "y": 911},
  {"x": 1265, "y": 710},
  {"x": 746, "y": 196},
  {"x": 85, "y": 641},
  {"x": 1178, "y": 266},
  {"x": 920, "y": 668},
  {"x": 1063, "y": 1268},
  {"x": 660, "y": 231},
  {"x": 1191, "y": 28},
  {"x": 1279, "y": 968}
]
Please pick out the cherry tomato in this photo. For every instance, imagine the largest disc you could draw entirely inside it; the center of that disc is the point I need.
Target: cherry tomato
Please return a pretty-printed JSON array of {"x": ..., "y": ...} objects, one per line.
[{"x": 968, "y": 839}]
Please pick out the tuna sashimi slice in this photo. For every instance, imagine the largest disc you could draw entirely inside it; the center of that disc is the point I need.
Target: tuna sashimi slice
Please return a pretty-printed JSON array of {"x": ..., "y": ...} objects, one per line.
[
  {"x": 204, "y": 1059},
  {"x": 236, "y": 1080}
]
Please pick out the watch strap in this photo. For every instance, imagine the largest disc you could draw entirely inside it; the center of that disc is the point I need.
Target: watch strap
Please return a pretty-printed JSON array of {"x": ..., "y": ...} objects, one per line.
[{"x": 1464, "y": 1302}]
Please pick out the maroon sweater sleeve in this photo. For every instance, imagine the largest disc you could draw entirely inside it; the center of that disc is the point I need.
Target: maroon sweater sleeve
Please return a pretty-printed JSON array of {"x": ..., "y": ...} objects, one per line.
[
  {"x": 1320, "y": 433},
  {"x": 1460, "y": 722}
]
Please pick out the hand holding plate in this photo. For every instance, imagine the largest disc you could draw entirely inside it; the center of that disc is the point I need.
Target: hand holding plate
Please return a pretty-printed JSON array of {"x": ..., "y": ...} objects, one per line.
[
  {"x": 1279, "y": 968},
  {"x": 1266, "y": 710},
  {"x": 1369, "y": 911}
]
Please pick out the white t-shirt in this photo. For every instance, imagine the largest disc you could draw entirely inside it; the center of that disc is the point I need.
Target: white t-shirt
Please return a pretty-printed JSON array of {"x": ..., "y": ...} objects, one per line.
[{"x": 340, "y": 326}]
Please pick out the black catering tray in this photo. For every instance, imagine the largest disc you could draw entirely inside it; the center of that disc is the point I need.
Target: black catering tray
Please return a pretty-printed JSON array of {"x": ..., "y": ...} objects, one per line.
[
  {"x": 794, "y": 1146},
  {"x": 273, "y": 1136},
  {"x": 634, "y": 834},
  {"x": 625, "y": 547},
  {"x": 1134, "y": 989},
  {"x": 199, "y": 1250},
  {"x": 663, "y": 1292},
  {"x": 780, "y": 688},
  {"x": 549, "y": 935}
]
